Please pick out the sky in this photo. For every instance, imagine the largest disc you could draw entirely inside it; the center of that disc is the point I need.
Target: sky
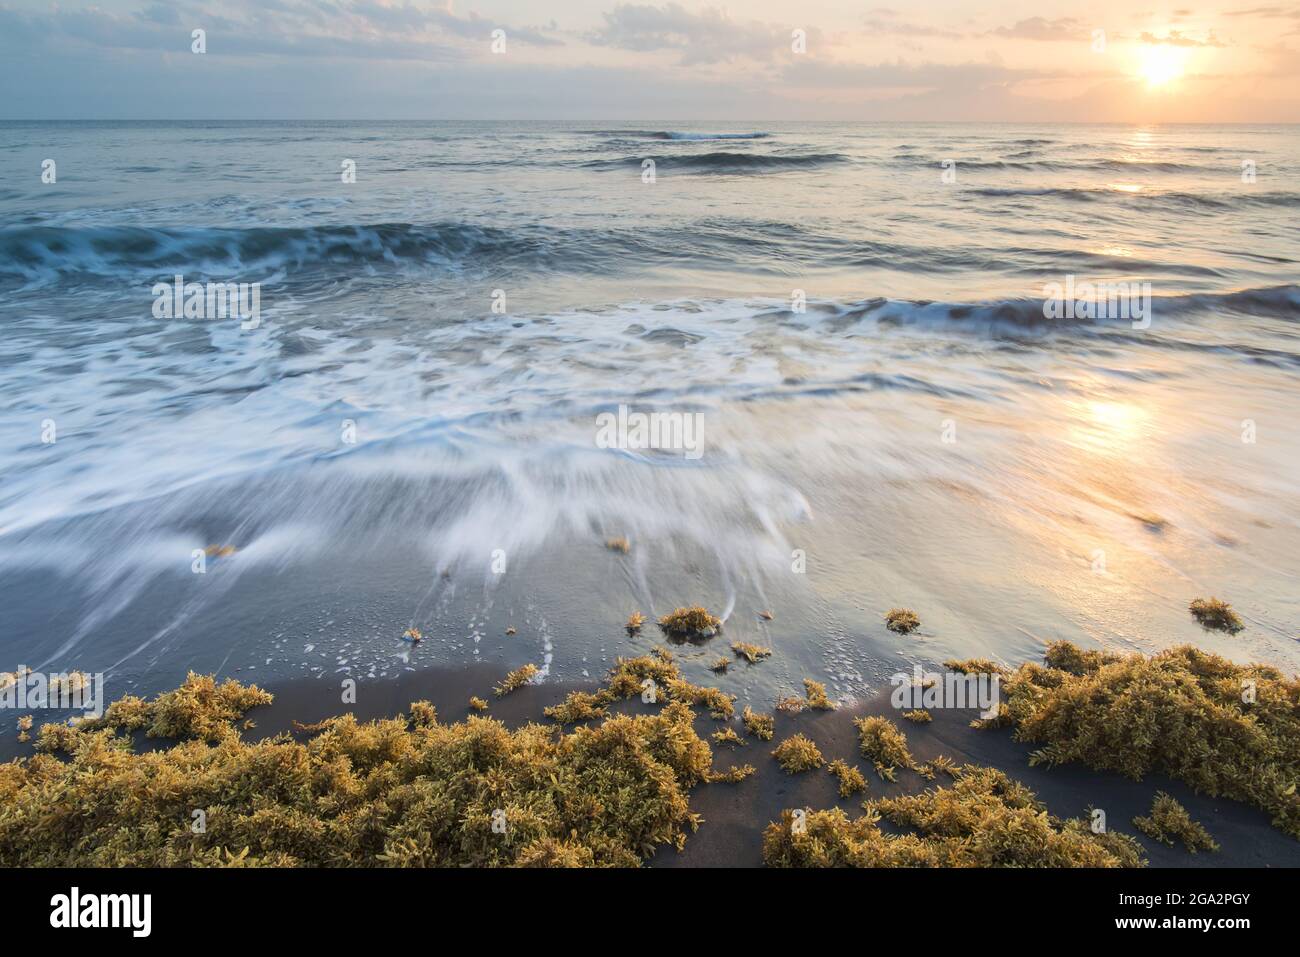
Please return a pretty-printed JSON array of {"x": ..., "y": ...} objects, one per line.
[{"x": 1097, "y": 61}]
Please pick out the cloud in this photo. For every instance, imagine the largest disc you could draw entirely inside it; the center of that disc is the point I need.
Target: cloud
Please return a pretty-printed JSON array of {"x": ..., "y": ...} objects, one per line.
[
  {"x": 710, "y": 36},
  {"x": 887, "y": 24},
  {"x": 1038, "y": 28},
  {"x": 1266, "y": 12},
  {"x": 901, "y": 75},
  {"x": 348, "y": 29},
  {"x": 1177, "y": 39}
]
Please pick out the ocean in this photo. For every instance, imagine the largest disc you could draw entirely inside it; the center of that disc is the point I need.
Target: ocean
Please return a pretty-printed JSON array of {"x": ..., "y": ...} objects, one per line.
[{"x": 847, "y": 320}]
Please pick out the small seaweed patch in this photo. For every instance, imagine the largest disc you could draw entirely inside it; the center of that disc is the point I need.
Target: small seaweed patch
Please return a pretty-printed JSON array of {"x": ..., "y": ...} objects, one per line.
[
  {"x": 634, "y": 622},
  {"x": 578, "y": 706},
  {"x": 516, "y": 680},
  {"x": 984, "y": 819},
  {"x": 24, "y": 726},
  {"x": 199, "y": 708},
  {"x": 850, "y": 778},
  {"x": 1215, "y": 614},
  {"x": 732, "y": 775},
  {"x": 798, "y": 753},
  {"x": 648, "y": 676},
  {"x": 761, "y": 726},
  {"x": 918, "y": 715},
  {"x": 720, "y": 666},
  {"x": 727, "y": 736},
  {"x": 1169, "y": 820},
  {"x": 815, "y": 694},
  {"x": 903, "y": 621},
  {"x": 751, "y": 653},
  {"x": 884, "y": 744},
  {"x": 620, "y": 544},
  {"x": 790, "y": 704},
  {"x": 413, "y": 635},
  {"x": 478, "y": 704},
  {"x": 1180, "y": 713},
  {"x": 690, "y": 623},
  {"x": 975, "y": 666}
]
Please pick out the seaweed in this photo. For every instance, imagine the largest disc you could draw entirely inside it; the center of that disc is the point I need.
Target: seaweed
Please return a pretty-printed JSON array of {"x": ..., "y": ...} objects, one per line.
[
  {"x": 516, "y": 680},
  {"x": 1169, "y": 820},
  {"x": 918, "y": 716},
  {"x": 1216, "y": 615},
  {"x": 732, "y": 775},
  {"x": 578, "y": 706},
  {"x": 727, "y": 736},
  {"x": 619, "y": 544},
  {"x": 478, "y": 704},
  {"x": 815, "y": 693},
  {"x": 798, "y": 753},
  {"x": 884, "y": 744},
  {"x": 406, "y": 791},
  {"x": 903, "y": 621},
  {"x": 634, "y": 622},
  {"x": 200, "y": 708},
  {"x": 412, "y": 635},
  {"x": 1225, "y": 729},
  {"x": 751, "y": 653},
  {"x": 761, "y": 726},
  {"x": 984, "y": 819},
  {"x": 720, "y": 666},
  {"x": 790, "y": 704},
  {"x": 690, "y": 623},
  {"x": 850, "y": 778}
]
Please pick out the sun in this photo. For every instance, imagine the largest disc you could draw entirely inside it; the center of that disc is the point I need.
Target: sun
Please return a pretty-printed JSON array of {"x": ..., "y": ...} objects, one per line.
[{"x": 1161, "y": 65}]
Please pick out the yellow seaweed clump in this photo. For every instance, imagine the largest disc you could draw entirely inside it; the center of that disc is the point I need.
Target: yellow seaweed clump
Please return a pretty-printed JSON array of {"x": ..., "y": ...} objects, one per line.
[
  {"x": 516, "y": 680},
  {"x": 761, "y": 726},
  {"x": 751, "y": 653},
  {"x": 798, "y": 753},
  {"x": 686, "y": 624},
  {"x": 199, "y": 708},
  {"x": 1169, "y": 820},
  {"x": 1215, "y": 614},
  {"x": 1225, "y": 729},
  {"x": 815, "y": 693},
  {"x": 397, "y": 792},
  {"x": 984, "y": 819},
  {"x": 850, "y": 778},
  {"x": 882, "y": 742},
  {"x": 902, "y": 621}
]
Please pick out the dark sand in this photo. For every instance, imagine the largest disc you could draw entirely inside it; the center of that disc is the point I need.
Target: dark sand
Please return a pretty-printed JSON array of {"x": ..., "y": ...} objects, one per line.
[{"x": 736, "y": 814}]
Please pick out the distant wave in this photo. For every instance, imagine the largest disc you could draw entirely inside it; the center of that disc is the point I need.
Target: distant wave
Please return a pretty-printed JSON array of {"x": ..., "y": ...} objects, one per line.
[
  {"x": 725, "y": 162},
  {"x": 1021, "y": 162},
  {"x": 1280, "y": 302},
  {"x": 675, "y": 135},
  {"x": 1207, "y": 201}
]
